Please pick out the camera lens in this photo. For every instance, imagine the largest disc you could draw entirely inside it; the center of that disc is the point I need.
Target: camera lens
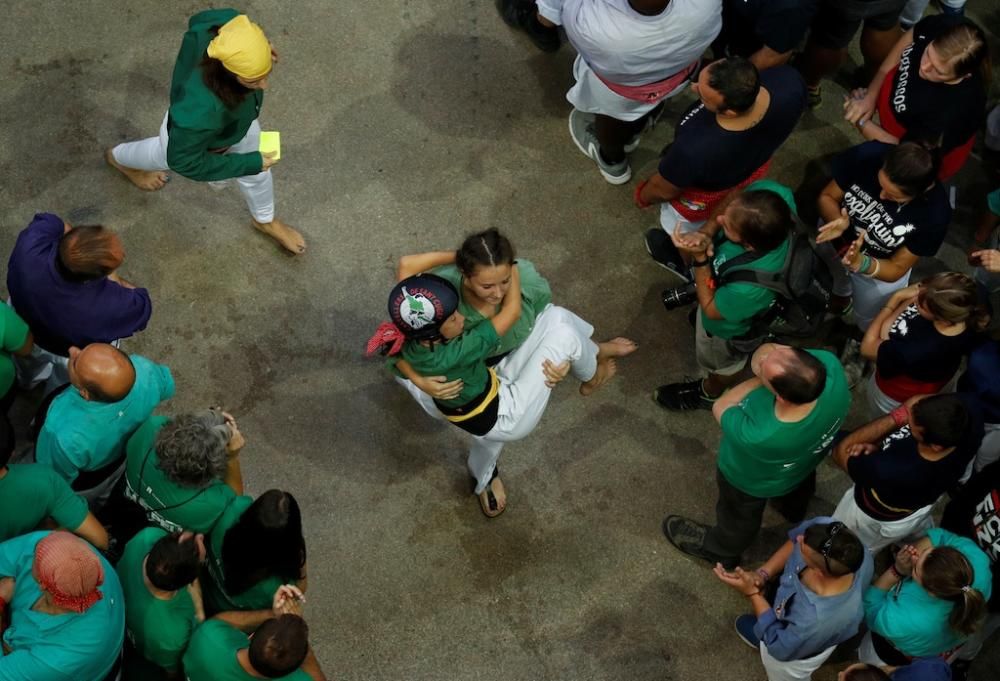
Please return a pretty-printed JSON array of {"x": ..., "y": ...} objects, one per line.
[{"x": 681, "y": 296}]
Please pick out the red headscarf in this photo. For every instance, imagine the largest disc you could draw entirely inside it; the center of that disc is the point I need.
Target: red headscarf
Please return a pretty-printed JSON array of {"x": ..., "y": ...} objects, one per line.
[{"x": 67, "y": 568}]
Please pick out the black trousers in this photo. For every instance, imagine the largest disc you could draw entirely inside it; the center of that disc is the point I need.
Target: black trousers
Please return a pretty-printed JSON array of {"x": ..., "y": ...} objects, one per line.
[{"x": 738, "y": 515}]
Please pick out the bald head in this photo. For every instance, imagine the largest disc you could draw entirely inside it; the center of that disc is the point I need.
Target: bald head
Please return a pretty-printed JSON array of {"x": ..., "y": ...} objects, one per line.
[
  {"x": 791, "y": 373},
  {"x": 101, "y": 372}
]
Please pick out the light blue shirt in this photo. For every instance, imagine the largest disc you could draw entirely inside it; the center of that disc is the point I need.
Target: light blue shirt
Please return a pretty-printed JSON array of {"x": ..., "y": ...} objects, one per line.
[
  {"x": 70, "y": 647},
  {"x": 84, "y": 435},
  {"x": 801, "y": 623},
  {"x": 914, "y": 621}
]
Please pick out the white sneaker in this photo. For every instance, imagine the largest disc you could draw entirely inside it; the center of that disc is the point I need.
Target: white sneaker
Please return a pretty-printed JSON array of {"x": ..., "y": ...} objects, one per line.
[{"x": 581, "y": 129}]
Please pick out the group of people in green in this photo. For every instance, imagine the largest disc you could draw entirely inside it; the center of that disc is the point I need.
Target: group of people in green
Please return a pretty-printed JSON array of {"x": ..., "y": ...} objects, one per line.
[{"x": 128, "y": 547}]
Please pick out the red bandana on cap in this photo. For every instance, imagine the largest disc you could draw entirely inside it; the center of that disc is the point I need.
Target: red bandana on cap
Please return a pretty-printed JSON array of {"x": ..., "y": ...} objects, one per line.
[{"x": 69, "y": 570}]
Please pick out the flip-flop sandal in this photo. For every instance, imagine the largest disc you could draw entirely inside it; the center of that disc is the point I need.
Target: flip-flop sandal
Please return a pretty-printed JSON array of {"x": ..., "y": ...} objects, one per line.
[{"x": 488, "y": 500}]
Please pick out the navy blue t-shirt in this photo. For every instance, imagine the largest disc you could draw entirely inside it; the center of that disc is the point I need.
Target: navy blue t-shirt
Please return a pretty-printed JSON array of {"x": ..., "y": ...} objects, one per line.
[
  {"x": 923, "y": 669},
  {"x": 62, "y": 313},
  {"x": 974, "y": 512},
  {"x": 778, "y": 24},
  {"x": 935, "y": 111},
  {"x": 919, "y": 225},
  {"x": 982, "y": 379},
  {"x": 706, "y": 156},
  {"x": 917, "y": 350},
  {"x": 893, "y": 483}
]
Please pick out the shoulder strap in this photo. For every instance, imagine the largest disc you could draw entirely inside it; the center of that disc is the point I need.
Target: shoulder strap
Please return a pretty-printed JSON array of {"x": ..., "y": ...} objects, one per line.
[
  {"x": 774, "y": 281},
  {"x": 142, "y": 483},
  {"x": 742, "y": 259}
]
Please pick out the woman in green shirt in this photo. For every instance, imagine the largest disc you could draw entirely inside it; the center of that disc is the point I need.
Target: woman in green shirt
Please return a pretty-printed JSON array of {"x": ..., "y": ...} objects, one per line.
[
  {"x": 210, "y": 132},
  {"x": 256, "y": 547},
  {"x": 490, "y": 350}
]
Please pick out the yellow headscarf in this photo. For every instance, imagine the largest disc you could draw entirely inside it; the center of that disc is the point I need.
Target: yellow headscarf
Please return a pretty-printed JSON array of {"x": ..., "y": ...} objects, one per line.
[{"x": 242, "y": 48}]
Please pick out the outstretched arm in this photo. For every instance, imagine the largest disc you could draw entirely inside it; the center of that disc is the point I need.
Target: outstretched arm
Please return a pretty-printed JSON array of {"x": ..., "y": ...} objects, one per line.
[{"x": 410, "y": 265}]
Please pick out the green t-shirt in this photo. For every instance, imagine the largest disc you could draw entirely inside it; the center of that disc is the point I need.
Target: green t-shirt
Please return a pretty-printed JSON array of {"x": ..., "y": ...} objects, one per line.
[
  {"x": 211, "y": 656},
  {"x": 32, "y": 492},
  {"x": 259, "y": 596},
  {"x": 159, "y": 630},
  {"x": 765, "y": 457},
  {"x": 461, "y": 357},
  {"x": 168, "y": 504},
  {"x": 13, "y": 336},
  {"x": 739, "y": 302},
  {"x": 535, "y": 296},
  {"x": 199, "y": 121}
]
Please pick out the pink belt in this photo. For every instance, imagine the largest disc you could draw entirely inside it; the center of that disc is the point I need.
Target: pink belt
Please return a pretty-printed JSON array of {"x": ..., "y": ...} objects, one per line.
[{"x": 653, "y": 92}]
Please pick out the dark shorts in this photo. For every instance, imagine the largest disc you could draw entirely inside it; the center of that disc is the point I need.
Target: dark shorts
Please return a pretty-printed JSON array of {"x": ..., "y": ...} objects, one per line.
[{"x": 838, "y": 20}]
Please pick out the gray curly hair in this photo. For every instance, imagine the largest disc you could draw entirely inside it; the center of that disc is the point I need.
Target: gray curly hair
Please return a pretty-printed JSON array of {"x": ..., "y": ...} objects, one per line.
[{"x": 192, "y": 448}]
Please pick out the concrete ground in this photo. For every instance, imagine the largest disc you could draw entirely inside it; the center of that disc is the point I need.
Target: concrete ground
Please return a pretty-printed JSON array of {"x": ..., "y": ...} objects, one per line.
[{"x": 407, "y": 124}]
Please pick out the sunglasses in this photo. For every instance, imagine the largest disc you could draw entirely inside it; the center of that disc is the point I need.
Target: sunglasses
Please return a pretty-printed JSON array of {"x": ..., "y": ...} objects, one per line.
[{"x": 824, "y": 550}]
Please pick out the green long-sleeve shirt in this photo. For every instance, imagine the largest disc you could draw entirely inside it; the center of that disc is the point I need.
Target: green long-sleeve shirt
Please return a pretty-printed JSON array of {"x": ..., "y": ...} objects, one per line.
[{"x": 199, "y": 121}]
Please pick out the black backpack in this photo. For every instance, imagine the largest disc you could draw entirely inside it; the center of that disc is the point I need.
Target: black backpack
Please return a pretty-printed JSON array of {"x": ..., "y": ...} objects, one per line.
[{"x": 803, "y": 286}]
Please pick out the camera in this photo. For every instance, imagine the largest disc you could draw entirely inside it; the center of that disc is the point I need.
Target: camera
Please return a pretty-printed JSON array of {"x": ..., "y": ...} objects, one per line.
[{"x": 681, "y": 296}]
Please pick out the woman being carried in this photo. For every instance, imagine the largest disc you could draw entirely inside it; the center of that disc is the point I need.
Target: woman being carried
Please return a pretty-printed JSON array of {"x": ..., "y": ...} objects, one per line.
[{"x": 488, "y": 352}]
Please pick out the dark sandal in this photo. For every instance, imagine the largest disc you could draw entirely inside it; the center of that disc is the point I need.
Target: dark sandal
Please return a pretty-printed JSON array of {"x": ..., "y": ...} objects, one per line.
[{"x": 488, "y": 500}]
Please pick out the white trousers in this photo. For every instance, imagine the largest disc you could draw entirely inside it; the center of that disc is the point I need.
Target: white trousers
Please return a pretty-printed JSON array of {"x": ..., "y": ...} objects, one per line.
[
  {"x": 558, "y": 335},
  {"x": 877, "y": 534},
  {"x": 869, "y": 294},
  {"x": 792, "y": 670},
  {"x": 670, "y": 219},
  {"x": 591, "y": 95},
  {"x": 989, "y": 450},
  {"x": 867, "y": 654},
  {"x": 914, "y": 10},
  {"x": 151, "y": 154}
]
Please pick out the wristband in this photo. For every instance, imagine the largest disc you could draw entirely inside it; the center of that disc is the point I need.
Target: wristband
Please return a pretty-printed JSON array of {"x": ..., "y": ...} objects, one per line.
[
  {"x": 874, "y": 271},
  {"x": 865, "y": 264},
  {"x": 764, "y": 574},
  {"x": 895, "y": 572},
  {"x": 699, "y": 263},
  {"x": 638, "y": 195},
  {"x": 900, "y": 415}
]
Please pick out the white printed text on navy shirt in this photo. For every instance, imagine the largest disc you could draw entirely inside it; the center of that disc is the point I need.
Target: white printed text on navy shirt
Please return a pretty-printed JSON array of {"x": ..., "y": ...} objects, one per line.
[{"x": 867, "y": 214}]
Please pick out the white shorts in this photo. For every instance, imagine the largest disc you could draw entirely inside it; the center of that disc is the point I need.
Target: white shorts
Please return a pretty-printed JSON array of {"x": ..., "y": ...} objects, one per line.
[{"x": 877, "y": 534}]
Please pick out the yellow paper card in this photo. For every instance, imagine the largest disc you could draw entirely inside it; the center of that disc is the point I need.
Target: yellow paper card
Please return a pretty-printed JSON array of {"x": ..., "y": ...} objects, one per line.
[{"x": 270, "y": 142}]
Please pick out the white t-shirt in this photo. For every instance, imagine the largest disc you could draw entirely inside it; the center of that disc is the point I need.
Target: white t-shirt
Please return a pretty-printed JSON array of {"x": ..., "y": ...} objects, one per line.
[{"x": 629, "y": 48}]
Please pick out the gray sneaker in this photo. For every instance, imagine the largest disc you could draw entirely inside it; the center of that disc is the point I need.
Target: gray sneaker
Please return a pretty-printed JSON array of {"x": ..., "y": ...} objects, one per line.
[
  {"x": 581, "y": 129},
  {"x": 852, "y": 361}
]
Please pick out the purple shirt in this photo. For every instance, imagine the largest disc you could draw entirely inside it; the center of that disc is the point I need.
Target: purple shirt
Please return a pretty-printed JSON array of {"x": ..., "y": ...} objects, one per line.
[{"x": 59, "y": 312}]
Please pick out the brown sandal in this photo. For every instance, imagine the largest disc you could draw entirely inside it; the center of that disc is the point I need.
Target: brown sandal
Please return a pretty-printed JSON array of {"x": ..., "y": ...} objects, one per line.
[{"x": 493, "y": 499}]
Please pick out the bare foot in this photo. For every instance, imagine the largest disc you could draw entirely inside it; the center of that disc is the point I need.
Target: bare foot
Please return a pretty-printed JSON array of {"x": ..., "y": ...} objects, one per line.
[
  {"x": 147, "y": 180},
  {"x": 606, "y": 368},
  {"x": 289, "y": 239},
  {"x": 499, "y": 493},
  {"x": 616, "y": 347}
]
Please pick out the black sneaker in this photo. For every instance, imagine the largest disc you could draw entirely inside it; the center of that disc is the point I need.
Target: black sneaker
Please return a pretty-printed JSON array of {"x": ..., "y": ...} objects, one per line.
[
  {"x": 521, "y": 14},
  {"x": 683, "y": 396},
  {"x": 662, "y": 250},
  {"x": 687, "y": 536}
]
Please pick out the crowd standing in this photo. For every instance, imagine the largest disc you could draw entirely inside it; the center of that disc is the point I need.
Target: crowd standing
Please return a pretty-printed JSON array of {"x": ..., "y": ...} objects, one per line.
[{"x": 130, "y": 549}]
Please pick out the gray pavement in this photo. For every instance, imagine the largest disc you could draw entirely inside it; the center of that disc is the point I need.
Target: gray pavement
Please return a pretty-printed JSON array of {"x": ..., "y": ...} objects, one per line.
[{"x": 406, "y": 124}]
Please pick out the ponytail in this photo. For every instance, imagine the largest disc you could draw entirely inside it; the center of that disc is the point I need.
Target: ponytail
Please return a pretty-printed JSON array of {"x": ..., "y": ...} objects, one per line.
[{"x": 948, "y": 575}]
